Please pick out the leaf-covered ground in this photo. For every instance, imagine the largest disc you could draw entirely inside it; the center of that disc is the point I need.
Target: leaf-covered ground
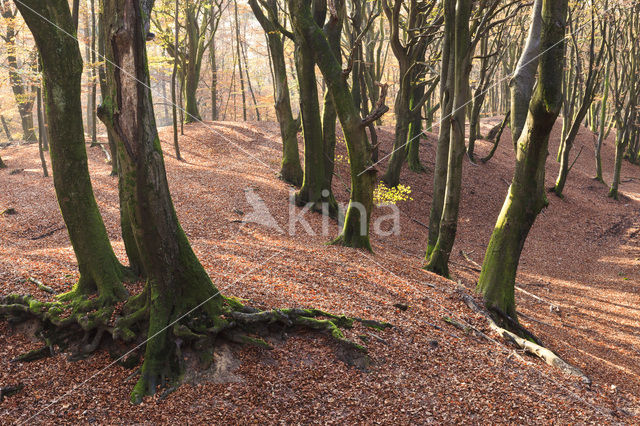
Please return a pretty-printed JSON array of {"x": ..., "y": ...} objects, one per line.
[{"x": 580, "y": 262}]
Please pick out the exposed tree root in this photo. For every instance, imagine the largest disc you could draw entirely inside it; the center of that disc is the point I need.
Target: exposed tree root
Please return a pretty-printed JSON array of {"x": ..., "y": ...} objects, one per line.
[
  {"x": 530, "y": 347},
  {"x": 128, "y": 323}
]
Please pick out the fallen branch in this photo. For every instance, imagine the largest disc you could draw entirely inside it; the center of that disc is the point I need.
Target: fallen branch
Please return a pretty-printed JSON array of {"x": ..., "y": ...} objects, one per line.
[
  {"x": 41, "y": 286},
  {"x": 552, "y": 307},
  {"x": 471, "y": 261},
  {"x": 532, "y": 348}
]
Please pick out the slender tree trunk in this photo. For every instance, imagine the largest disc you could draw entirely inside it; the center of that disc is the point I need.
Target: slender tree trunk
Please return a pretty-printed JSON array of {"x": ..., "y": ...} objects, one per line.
[
  {"x": 243, "y": 48},
  {"x": 103, "y": 90},
  {"x": 333, "y": 32},
  {"x": 99, "y": 269},
  {"x": 439, "y": 259},
  {"x": 41, "y": 133},
  {"x": 240, "y": 72},
  {"x": 174, "y": 72},
  {"x": 447, "y": 72},
  {"x": 24, "y": 99},
  {"x": 94, "y": 130},
  {"x": 603, "y": 125},
  {"x": 192, "y": 67},
  {"x": 526, "y": 196},
  {"x": 6, "y": 128},
  {"x": 290, "y": 169},
  {"x": 621, "y": 145},
  {"x": 214, "y": 81}
]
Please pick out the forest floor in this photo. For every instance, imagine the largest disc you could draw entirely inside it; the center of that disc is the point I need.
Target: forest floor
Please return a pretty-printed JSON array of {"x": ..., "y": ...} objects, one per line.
[{"x": 581, "y": 261}]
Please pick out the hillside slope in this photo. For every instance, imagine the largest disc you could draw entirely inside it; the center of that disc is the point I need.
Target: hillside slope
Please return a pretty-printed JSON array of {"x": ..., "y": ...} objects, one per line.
[{"x": 581, "y": 256}]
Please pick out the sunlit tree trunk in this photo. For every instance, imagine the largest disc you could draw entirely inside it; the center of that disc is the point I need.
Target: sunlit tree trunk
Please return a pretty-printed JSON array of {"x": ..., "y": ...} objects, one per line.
[
  {"x": 100, "y": 271},
  {"x": 290, "y": 169},
  {"x": 439, "y": 258},
  {"x": 526, "y": 197},
  {"x": 176, "y": 281}
]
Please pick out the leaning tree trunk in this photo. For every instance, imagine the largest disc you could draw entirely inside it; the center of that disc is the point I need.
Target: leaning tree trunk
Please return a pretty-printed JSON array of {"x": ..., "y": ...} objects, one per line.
[
  {"x": 439, "y": 259},
  {"x": 99, "y": 269},
  {"x": 290, "y": 169},
  {"x": 526, "y": 197},
  {"x": 355, "y": 232},
  {"x": 177, "y": 282}
]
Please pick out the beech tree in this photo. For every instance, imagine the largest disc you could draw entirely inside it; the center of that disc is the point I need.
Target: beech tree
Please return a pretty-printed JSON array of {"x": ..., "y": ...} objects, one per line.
[
  {"x": 526, "y": 197},
  {"x": 420, "y": 25},
  {"x": 290, "y": 169},
  {"x": 573, "y": 118},
  {"x": 179, "y": 304},
  {"x": 100, "y": 270},
  {"x": 309, "y": 36}
]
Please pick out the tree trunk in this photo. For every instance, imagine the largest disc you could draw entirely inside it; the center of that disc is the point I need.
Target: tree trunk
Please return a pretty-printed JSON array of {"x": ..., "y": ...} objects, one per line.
[
  {"x": 99, "y": 269},
  {"x": 439, "y": 259},
  {"x": 214, "y": 81},
  {"x": 6, "y": 128},
  {"x": 41, "y": 133},
  {"x": 603, "y": 125},
  {"x": 290, "y": 170},
  {"x": 333, "y": 32},
  {"x": 526, "y": 197},
  {"x": 447, "y": 72},
  {"x": 192, "y": 68},
  {"x": 313, "y": 190},
  {"x": 355, "y": 232},
  {"x": 24, "y": 99},
  {"x": 524, "y": 76},
  {"x": 177, "y": 282},
  {"x": 103, "y": 90},
  {"x": 174, "y": 72},
  {"x": 240, "y": 72}
]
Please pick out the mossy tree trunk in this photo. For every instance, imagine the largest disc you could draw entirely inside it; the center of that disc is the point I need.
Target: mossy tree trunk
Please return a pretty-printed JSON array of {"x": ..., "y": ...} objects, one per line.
[
  {"x": 355, "y": 232},
  {"x": 526, "y": 197},
  {"x": 290, "y": 169},
  {"x": 103, "y": 89},
  {"x": 313, "y": 190},
  {"x": 439, "y": 258},
  {"x": 176, "y": 281},
  {"x": 100, "y": 271},
  {"x": 333, "y": 31}
]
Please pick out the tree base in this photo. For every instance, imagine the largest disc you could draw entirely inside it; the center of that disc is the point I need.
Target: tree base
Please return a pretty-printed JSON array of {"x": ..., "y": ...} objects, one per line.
[
  {"x": 356, "y": 241},
  {"x": 87, "y": 324}
]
